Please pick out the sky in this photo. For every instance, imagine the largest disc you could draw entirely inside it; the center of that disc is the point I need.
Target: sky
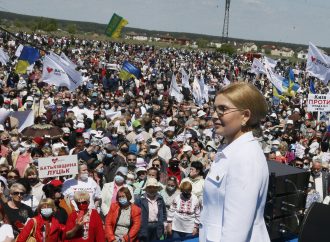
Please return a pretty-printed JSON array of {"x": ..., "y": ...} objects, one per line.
[{"x": 291, "y": 21}]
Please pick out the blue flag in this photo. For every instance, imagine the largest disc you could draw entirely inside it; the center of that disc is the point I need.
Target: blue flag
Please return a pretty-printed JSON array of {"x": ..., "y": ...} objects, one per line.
[
  {"x": 130, "y": 68},
  {"x": 311, "y": 87}
]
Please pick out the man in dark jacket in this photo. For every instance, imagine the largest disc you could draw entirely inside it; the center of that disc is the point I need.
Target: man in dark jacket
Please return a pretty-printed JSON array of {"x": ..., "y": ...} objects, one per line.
[
  {"x": 112, "y": 161},
  {"x": 153, "y": 212}
]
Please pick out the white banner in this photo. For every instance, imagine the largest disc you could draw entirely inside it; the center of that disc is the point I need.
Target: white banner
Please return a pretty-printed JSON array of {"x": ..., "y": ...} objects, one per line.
[
  {"x": 318, "y": 64},
  {"x": 274, "y": 78},
  {"x": 175, "y": 90},
  {"x": 58, "y": 166},
  {"x": 4, "y": 58},
  {"x": 257, "y": 67},
  {"x": 318, "y": 102}
]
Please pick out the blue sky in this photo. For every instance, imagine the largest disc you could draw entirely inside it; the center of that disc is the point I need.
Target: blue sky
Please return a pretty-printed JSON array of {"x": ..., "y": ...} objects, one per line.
[{"x": 293, "y": 21}]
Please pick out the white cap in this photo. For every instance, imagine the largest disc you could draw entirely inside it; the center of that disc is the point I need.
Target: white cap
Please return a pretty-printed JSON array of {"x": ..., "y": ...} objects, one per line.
[
  {"x": 273, "y": 115},
  {"x": 186, "y": 148},
  {"x": 200, "y": 113},
  {"x": 29, "y": 98},
  {"x": 289, "y": 121},
  {"x": 296, "y": 110}
]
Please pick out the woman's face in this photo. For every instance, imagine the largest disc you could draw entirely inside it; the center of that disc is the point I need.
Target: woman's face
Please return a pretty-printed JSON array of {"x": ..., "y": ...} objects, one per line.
[
  {"x": 121, "y": 195},
  {"x": 17, "y": 195},
  {"x": 193, "y": 172},
  {"x": 171, "y": 183},
  {"x": 228, "y": 119}
]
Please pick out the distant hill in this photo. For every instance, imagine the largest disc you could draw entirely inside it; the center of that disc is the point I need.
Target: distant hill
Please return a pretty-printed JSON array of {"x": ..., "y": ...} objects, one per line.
[{"x": 28, "y": 21}]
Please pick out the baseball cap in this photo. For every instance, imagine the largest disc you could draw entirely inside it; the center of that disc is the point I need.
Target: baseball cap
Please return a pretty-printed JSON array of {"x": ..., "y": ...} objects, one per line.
[{"x": 136, "y": 123}]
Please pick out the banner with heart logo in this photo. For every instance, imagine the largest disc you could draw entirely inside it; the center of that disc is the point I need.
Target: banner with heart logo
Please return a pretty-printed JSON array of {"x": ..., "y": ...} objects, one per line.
[{"x": 58, "y": 166}]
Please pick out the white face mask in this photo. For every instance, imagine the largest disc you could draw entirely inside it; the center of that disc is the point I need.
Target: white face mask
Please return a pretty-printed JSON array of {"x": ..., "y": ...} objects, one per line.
[
  {"x": 84, "y": 177},
  {"x": 46, "y": 212}
]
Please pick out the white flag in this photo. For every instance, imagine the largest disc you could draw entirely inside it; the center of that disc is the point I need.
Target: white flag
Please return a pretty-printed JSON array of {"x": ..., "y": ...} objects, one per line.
[
  {"x": 257, "y": 67},
  {"x": 19, "y": 50},
  {"x": 75, "y": 76},
  {"x": 4, "y": 58},
  {"x": 274, "y": 78},
  {"x": 206, "y": 93},
  {"x": 185, "y": 79},
  {"x": 272, "y": 63},
  {"x": 52, "y": 73},
  {"x": 68, "y": 62},
  {"x": 197, "y": 92},
  {"x": 318, "y": 64},
  {"x": 175, "y": 90},
  {"x": 226, "y": 82}
]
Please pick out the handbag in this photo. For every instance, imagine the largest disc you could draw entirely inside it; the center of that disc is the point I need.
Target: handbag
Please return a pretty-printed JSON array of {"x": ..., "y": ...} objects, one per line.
[{"x": 32, "y": 235}]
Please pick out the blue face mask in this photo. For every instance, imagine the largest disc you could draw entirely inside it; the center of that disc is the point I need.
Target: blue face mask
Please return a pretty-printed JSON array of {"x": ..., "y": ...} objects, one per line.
[
  {"x": 123, "y": 201},
  {"x": 160, "y": 141},
  {"x": 109, "y": 155},
  {"x": 119, "y": 179},
  {"x": 46, "y": 212}
]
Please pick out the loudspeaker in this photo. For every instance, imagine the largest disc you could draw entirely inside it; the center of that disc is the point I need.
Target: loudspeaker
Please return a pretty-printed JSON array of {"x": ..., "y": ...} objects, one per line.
[
  {"x": 287, "y": 180},
  {"x": 286, "y": 200},
  {"x": 315, "y": 226}
]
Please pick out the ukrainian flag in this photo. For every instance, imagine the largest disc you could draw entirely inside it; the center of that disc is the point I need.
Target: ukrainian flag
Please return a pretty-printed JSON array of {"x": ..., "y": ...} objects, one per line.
[
  {"x": 116, "y": 24},
  {"x": 290, "y": 84},
  {"x": 128, "y": 71},
  {"x": 278, "y": 94},
  {"x": 27, "y": 57}
]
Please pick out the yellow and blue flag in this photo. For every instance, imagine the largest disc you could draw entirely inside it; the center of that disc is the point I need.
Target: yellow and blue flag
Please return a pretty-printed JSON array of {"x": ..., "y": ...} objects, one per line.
[
  {"x": 277, "y": 93},
  {"x": 128, "y": 71},
  {"x": 290, "y": 85},
  {"x": 115, "y": 26},
  {"x": 27, "y": 57}
]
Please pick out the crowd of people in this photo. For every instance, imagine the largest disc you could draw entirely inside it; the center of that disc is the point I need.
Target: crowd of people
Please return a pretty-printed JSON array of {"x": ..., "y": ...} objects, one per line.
[{"x": 143, "y": 156}]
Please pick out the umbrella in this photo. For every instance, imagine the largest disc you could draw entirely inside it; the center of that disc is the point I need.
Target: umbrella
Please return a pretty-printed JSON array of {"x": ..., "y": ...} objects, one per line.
[{"x": 42, "y": 130}]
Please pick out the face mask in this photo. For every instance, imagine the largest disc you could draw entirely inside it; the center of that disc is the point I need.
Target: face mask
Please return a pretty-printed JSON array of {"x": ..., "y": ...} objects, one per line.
[
  {"x": 210, "y": 149},
  {"x": 106, "y": 106},
  {"x": 46, "y": 212},
  {"x": 102, "y": 116},
  {"x": 129, "y": 182},
  {"x": 119, "y": 179},
  {"x": 33, "y": 181},
  {"x": 22, "y": 149},
  {"x": 100, "y": 170},
  {"x": 80, "y": 105},
  {"x": 115, "y": 135},
  {"x": 83, "y": 207},
  {"x": 33, "y": 145},
  {"x": 160, "y": 141},
  {"x": 139, "y": 130},
  {"x": 186, "y": 195},
  {"x": 123, "y": 201},
  {"x": 124, "y": 150},
  {"x": 28, "y": 105},
  {"x": 152, "y": 151},
  {"x": 151, "y": 194},
  {"x": 184, "y": 163},
  {"x": 171, "y": 188},
  {"x": 11, "y": 182},
  {"x": 196, "y": 152},
  {"x": 84, "y": 177},
  {"x": 131, "y": 166},
  {"x": 306, "y": 167},
  {"x": 109, "y": 155},
  {"x": 14, "y": 144},
  {"x": 195, "y": 127},
  {"x": 316, "y": 174}
]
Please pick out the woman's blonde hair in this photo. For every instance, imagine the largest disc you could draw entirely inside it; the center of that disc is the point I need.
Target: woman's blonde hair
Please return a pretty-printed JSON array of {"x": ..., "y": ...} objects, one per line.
[
  {"x": 246, "y": 96},
  {"x": 81, "y": 195},
  {"x": 17, "y": 186},
  {"x": 30, "y": 170},
  {"x": 186, "y": 186},
  {"x": 46, "y": 201}
]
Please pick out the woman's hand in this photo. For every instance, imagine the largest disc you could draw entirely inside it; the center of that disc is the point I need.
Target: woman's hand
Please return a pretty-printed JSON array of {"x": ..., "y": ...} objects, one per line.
[
  {"x": 195, "y": 231},
  {"x": 79, "y": 222},
  {"x": 169, "y": 228}
]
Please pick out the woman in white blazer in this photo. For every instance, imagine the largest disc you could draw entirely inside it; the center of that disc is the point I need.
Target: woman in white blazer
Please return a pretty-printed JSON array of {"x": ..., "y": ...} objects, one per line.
[{"x": 235, "y": 188}]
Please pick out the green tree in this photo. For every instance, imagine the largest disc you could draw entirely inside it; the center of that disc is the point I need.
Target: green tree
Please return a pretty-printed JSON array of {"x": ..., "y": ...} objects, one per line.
[
  {"x": 227, "y": 49},
  {"x": 18, "y": 24},
  {"x": 202, "y": 43},
  {"x": 71, "y": 28}
]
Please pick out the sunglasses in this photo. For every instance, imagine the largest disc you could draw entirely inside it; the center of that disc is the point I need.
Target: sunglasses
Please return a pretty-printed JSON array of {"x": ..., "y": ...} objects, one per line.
[
  {"x": 155, "y": 165},
  {"x": 12, "y": 177},
  {"x": 82, "y": 203},
  {"x": 4, "y": 171},
  {"x": 18, "y": 193}
]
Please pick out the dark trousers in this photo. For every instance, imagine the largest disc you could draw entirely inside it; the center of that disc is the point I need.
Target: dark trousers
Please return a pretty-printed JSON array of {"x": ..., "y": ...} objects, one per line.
[{"x": 152, "y": 233}]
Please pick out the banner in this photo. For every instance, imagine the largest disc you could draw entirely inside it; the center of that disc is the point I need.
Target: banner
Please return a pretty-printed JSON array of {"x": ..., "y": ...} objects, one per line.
[
  {"x": 318, "y": 64},
  {"x": 58, "y": 166},
  {"x": 318, "y": 102},
  {"x": 4, "y": 58},
  {"x": 115, "y": 26},
  {"x": 68, "y": 62},
  {"x": 274, "y": 78},
  {"x": 257, "y": 67}
]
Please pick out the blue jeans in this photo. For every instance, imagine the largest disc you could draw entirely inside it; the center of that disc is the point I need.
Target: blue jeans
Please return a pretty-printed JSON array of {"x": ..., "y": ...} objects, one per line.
[{"x": 180, "y": 235}]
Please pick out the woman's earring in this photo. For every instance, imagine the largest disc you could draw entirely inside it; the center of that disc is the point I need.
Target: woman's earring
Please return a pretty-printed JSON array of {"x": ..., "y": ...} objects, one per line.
[{"x": 243, "y": 124}]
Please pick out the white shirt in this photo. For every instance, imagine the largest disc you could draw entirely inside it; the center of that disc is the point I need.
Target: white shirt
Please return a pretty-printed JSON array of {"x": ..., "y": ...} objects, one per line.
[
  {"x": 235, "y": 192},
  {"x": 73, "y": 185},
  {"x": 6, "y": 232}
]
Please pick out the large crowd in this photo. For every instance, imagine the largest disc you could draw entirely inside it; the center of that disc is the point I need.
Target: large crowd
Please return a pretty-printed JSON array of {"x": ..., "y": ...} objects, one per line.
[{"x": 142, "y": 155}]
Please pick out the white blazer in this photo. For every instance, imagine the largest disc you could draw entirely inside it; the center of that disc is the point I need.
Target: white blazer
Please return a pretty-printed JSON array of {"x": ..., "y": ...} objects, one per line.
[
  {"x": 107, "y": 193},
  {"x": 235, "y": 191}
]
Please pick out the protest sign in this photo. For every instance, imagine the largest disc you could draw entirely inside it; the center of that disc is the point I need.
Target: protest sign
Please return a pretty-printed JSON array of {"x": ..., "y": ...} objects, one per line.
[
  {"x": 318, "y": 102},
  {"x": 58, "y": 166}
]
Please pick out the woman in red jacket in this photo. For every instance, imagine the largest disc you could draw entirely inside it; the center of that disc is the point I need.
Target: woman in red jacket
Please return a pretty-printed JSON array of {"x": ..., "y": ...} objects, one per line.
[
  {"x": 45, "y": 226},
  {"x": 86, "y": 224},
  {"x": 124, "y": 219}
]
